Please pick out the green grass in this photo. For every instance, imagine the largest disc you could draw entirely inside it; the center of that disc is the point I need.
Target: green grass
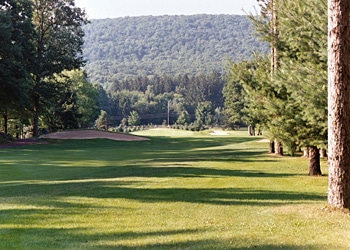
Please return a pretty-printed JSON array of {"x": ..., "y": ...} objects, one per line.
[{"x": 180, "y": 190}]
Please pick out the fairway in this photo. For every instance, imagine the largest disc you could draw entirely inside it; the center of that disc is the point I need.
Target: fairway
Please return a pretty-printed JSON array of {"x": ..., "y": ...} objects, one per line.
[{"x": 178, "y": 190}]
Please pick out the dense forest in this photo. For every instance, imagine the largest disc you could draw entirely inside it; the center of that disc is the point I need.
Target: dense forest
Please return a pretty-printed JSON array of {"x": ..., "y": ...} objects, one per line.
[{"x": 166, "y": 45}]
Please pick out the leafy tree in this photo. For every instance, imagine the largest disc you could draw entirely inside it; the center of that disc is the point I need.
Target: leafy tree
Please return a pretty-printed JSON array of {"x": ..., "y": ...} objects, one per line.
[
  {"x": 87, "y": 103},
  {"x": 15, "y": 55},
  {"x": 58, "y": 45}
]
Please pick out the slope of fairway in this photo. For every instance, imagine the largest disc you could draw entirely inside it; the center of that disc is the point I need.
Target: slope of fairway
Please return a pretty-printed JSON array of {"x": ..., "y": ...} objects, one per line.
[{"x": 178, "y": 190}]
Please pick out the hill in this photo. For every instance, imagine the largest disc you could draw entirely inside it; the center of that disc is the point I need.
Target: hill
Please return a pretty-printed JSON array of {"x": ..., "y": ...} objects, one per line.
[{"x": 166, "y": 45}]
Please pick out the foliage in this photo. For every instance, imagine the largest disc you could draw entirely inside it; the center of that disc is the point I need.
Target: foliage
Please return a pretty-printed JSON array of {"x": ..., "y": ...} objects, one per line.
[
  {"x": 74, "y": 104},
  {"x": 184, "y": 118},
  {"x": 170, "y": 45},
  {"x": 58, "y": 46}
]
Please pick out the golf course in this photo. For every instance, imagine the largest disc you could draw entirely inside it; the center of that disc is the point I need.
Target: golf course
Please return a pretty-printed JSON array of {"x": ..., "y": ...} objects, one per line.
[{"x": 177, "y": 190}]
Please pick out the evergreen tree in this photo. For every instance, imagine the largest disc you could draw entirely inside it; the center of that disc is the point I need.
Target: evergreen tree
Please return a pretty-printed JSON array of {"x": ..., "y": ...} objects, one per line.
[{"x": 294, "y": 98}]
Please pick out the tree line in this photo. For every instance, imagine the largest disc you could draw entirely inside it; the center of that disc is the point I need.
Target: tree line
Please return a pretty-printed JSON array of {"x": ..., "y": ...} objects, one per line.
[{"x": 163, "y": 99}]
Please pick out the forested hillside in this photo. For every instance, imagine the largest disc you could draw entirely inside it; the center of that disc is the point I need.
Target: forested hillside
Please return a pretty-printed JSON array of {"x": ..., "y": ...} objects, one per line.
[{"x": 170, "y": 45}]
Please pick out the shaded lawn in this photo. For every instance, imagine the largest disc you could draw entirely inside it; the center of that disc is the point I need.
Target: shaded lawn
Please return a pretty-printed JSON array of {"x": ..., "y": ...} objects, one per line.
[{"x": 188, "y": 191}]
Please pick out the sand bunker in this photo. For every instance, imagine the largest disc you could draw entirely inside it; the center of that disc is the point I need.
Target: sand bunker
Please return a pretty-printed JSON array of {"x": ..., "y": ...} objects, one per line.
[
  {"x": 219, "y": 132},
  {"x": 92, "y": 134}
]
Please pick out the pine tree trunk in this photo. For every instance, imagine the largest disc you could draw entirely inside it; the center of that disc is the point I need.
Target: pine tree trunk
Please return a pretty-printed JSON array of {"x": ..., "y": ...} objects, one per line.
[
  {"x": 339, "y": 103},
  {"x": 315, "y": 165}
]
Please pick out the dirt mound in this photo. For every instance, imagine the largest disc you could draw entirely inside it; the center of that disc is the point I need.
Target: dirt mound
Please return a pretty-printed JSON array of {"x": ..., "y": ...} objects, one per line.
[{"x": 92, "y": 134}]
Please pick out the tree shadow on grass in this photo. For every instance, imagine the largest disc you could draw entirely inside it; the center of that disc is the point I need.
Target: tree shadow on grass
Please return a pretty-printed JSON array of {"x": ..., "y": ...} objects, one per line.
[
  {"x": 160, "y": 157},
  {"x": 121, "y": 190},
  {"x": 225, "y": 196},
  {"x": 80, "y": 238}
]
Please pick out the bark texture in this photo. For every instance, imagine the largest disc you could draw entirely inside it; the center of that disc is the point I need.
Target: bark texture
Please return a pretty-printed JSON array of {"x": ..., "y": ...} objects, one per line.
[
  {"x": 315, "y": 166},
  {"x": 274, "y": 34},
  {"x": 339, "y": 103},
  {"x": 279, "y": 148}
]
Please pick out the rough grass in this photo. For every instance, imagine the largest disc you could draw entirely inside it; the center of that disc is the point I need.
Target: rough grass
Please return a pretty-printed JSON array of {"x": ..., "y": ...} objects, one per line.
[{"x": 180, "y": 190}]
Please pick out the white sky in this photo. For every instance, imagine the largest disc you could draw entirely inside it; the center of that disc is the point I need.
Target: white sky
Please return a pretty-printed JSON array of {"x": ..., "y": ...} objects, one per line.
[{"x": 97, "y": 9}]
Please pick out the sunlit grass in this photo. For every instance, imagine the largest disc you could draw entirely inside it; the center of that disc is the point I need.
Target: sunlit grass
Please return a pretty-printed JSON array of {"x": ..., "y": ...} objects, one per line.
[{"x": 183, "y": 191}]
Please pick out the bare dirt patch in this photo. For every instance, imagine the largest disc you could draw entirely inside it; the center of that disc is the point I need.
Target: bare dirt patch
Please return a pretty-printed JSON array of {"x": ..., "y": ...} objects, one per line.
[{"x": 92, "y": 134}]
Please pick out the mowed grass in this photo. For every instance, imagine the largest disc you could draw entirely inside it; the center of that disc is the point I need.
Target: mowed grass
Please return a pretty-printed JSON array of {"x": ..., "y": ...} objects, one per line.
[{"x": 180, "y": 190}]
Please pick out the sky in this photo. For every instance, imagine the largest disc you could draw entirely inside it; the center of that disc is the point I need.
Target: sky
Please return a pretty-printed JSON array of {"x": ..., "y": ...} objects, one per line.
[{"x": 98, "y": 9}]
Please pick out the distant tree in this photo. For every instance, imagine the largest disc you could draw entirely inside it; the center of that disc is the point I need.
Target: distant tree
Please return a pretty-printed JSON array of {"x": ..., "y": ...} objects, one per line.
[
  {"x": 58, "y": 45},
  {"x": 102, "y": 121},
  {"x": 204, "y": 113},
  {"x": 184, "y": 118},
  {"x": 234, "y": 94},
  {"x": 87, "y": 103},
  {"x": 134, "y": 118}
]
